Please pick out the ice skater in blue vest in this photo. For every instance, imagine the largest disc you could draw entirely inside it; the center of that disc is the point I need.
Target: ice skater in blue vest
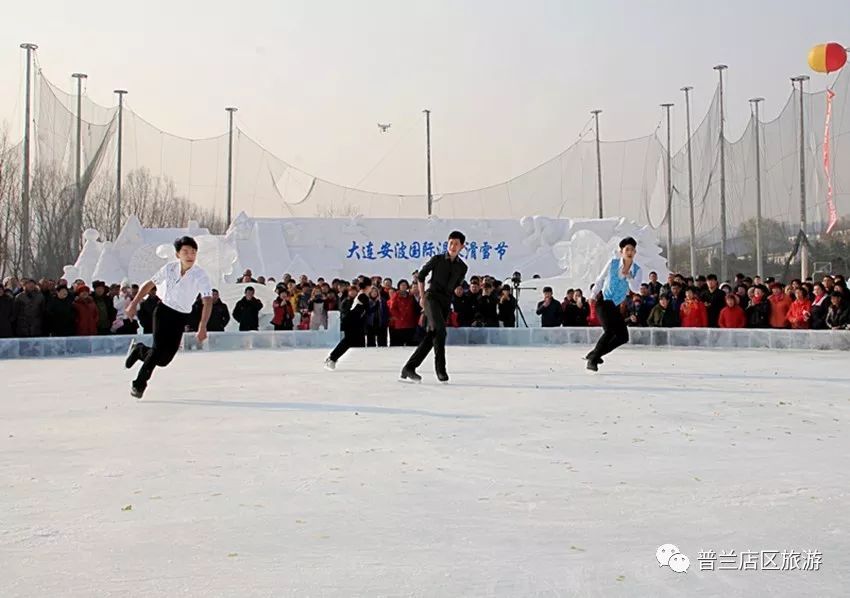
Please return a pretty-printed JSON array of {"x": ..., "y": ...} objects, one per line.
[{"x": 620, "y": 275}]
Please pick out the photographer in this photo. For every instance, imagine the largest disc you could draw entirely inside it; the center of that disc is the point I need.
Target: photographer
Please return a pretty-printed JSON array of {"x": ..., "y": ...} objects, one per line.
[
  {"x": 486, "y": 310},
  {"x": 317, "y": 309},
  {"x": 463, "y": 307},
  {"x": 577, "y": 310},
  {"x": 283, "y": 312},
  {"x": 507, "y": 307}
]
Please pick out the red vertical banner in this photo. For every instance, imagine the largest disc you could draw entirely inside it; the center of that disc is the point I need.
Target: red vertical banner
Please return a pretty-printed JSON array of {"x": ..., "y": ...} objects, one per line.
[{"x": 833, "y": 214}]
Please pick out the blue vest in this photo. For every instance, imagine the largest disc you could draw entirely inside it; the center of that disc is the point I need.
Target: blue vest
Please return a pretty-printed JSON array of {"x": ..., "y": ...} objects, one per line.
[{"x": 616, "y": 288}]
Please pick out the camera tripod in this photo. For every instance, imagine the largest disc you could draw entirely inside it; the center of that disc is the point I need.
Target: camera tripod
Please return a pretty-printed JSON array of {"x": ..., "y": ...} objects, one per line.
[{"x": 518, "y": 315}]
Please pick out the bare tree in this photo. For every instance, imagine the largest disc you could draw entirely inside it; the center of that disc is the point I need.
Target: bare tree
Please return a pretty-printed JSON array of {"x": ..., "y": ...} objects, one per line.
[
  {"x": 9, "y": 206},
  {"x": 334, "y": 211},
  {"x": 52, "y": 197}
]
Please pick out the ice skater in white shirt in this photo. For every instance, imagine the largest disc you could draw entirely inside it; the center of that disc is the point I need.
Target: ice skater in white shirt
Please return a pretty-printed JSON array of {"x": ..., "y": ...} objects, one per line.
[{"x": 178, "y": 285}]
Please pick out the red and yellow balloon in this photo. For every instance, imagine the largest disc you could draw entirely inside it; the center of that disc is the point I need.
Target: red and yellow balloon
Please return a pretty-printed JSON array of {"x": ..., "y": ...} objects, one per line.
[{"x": 827, "y": 58}]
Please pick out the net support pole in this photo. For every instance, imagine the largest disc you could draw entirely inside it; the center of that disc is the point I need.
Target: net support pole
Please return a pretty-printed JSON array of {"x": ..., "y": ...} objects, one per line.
[
  {"x": 428, "y": 159},
  {"x": 595, "y": 114},
  {"x": 78, "y": 203},
  {"x": 669, "y": 193},
  {"x": 804, "y": 247},
  {"x": 121, "y": 93},
  {"x": 25, "y": 180},
  {"x": 724, "y": 273},
  {"x": 757, "y": 123},
  {"x": 230, "y": 110},
  {"x": 693, "y": 241}
]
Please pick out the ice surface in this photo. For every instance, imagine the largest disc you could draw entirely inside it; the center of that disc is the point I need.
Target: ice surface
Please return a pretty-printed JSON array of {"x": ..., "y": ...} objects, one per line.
[{"x": 257, "y": 473}]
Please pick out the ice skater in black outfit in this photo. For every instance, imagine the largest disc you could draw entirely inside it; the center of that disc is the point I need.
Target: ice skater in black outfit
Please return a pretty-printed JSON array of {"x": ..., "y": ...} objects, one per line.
[
  {"x": 352, "y": 311},
  {"x": 179, "y": 284},
  {"x": 447, "y": 272}
]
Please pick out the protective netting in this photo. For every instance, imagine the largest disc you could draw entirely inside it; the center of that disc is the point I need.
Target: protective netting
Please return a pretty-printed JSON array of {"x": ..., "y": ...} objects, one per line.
[
  {"x": 173, "y": 168},
  {"x": 780, "y": 169}
]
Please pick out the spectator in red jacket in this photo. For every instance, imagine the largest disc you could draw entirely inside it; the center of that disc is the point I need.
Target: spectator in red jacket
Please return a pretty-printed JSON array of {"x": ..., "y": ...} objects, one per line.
[
  {"x": 733, "y": 315},
  {"x": 283, "y": 312},
  {"x": 780, "y": 303},
  {"x": 693, "y": 313},
  {"x": 592, "y": 318},
  {"x": 86, "y": 314},
  {"x": 801, "y": 310},
  {"x": 403, "y": 316}
]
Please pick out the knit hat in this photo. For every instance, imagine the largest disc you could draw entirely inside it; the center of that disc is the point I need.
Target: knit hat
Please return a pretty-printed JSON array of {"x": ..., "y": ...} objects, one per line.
[{"x": 83, "y": 289}]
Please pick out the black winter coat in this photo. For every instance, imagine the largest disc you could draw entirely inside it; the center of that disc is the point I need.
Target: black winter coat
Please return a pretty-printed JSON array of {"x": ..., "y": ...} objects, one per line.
[
  {"x": 838, "y": 317},
  {"x": 247, "y": 313},
  {"x": 219, "y": 317},
  {"x": 551, "y": 316},
  {"x": 507, "y": 312},
  {"x": 353, "y": 314},
  {"x": 758, "y": 314},
  {"x": 7, "y": 309},
  {"x": 29, "y": 314},
  {"x": 464, "y": 307},
  {"x": 487, "y": 311},
  {"x": 61, "y": 317}
]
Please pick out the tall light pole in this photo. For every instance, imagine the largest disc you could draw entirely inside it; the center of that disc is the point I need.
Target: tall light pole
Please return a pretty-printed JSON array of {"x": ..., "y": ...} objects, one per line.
[
  {"x": 759, "y": 256},
  {"x": 428, "y": 158},
  {"x": 724, "y": 274},
  {"x": 669, "y": 193},
  {"x": 230, "y": 110},
  {"x": 804, "y": 240},
  {"x": 121, "y": 93},
  {"x": 595, "y": 114},
  {"x": 693, "y": 251},
  {"x": 25, "y": 181},
  {"x": 78, "y": 207}
]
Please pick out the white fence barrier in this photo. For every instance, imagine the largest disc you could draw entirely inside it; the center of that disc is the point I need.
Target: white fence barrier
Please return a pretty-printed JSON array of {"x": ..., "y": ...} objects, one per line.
[{"x": 819, "y": 340}]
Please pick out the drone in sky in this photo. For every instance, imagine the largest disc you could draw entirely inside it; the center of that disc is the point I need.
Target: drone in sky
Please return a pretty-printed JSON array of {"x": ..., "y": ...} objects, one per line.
[{"x": 384, "y": 127}]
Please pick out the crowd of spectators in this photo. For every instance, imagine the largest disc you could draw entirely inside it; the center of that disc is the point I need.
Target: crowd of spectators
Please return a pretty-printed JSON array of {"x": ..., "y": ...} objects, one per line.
[
  {"x": 703, "y": 302},
  {"x": 30, "y": 308}
]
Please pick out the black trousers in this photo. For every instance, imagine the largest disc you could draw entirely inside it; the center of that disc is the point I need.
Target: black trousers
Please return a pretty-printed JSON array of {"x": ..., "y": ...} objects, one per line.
[
  {"x": 436, "y": 315},
  {"x": 168, "y": 327},
  {"x": 350, "y": 338},
  {"x": 614, "y": 329},
  {"x": 401, "y": 337}
]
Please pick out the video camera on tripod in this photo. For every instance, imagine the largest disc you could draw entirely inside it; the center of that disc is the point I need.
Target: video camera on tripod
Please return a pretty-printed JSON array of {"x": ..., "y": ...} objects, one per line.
[{"x": 516, "y": 281}]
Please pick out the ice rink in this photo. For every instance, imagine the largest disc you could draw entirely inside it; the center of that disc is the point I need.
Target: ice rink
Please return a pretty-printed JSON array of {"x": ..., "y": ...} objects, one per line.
[{"x": 257, "y": 473}]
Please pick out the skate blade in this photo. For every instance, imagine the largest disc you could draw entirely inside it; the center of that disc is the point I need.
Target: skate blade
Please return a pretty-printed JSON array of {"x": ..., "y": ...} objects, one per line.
[{"x": 409, "y": 381}]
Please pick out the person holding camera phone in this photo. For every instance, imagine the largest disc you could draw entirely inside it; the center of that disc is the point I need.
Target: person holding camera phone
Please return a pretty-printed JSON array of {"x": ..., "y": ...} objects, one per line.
[{"x": 507, "y": 307}]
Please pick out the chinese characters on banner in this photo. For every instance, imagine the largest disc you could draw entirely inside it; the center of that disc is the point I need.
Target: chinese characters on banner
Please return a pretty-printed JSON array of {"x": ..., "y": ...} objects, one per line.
[{"x": 418, "y": 250}]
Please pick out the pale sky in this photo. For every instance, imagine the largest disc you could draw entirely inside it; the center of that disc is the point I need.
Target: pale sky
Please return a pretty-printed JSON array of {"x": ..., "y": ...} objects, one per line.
[{"x": 510, "y": 84}]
